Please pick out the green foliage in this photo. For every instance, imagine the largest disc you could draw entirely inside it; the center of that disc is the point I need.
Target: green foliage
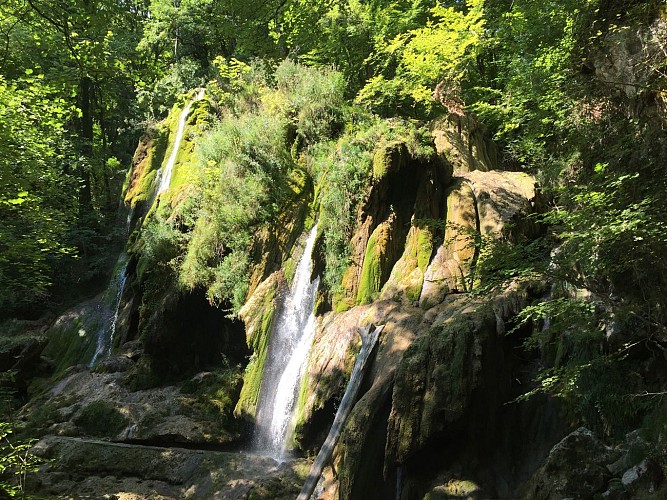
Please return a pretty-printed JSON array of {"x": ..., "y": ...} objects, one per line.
[
  {"x": 313, "y": 99},
  {"x": 601, "y": 226},
  {"x": 34, "y": 201},
  {"x": 181, "y": 76},
  {"x": 526, "y": 88},
  {"x": 598, "y": 384},
  {"x": 244, "y": 164},
  {"x": 16, "y": 462},
  {"x": 246, "y": 168},
  {"x": 436, "y": 54},
  {"x": 501, "y": 261},
  {"x": 341, "y": 172}
]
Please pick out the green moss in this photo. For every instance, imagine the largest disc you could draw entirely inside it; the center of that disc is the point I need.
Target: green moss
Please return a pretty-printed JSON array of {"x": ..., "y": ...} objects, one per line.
[
  {"x": 259, "y": 330},
  {"x": 413, "y": 292},
  {"x": 214, "y": 394},
  {"x": 142, "y": 375},
  {"x": 407, "y": 276},
  {"x": 385, "y": 155},
  {"x": 424, "y": 248},
  {"x": 371, "y": 272},
  {"x": 342, "y": 303},
  {"x": 381, "y": 162},
  {"x": 140, "y": 183},
  {"x": 300, "y": 416},
  {"x": 100, "y": 419},
  {"x": 74, "y": 340},
  {"x": 183, "y": 172}
]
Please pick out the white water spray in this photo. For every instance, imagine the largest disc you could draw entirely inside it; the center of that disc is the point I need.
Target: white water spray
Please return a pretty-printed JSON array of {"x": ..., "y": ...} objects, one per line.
[
  {"x": 167, "y": 170},
  {"x": 290, "y": 343}
]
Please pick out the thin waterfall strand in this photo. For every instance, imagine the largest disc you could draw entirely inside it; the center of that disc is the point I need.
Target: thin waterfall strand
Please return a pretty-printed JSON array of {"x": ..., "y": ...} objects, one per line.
[
  {"x": 107, "y": 331},
  {"x": 291, "y": 339},
  {"x": 166, "y": 172}
]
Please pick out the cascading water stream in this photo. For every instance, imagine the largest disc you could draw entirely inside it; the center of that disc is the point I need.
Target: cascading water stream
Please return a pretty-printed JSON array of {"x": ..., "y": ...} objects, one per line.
[
  {"x": 114, "y": 292},
  {"x": 167, "y": 170},
  {"x": 107, "y": 331},
  {"x": 290, "y": 343}
]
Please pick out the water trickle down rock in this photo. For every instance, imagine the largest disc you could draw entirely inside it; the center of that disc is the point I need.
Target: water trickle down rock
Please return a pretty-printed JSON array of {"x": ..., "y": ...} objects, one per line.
[{"x": 114, "y": 294}]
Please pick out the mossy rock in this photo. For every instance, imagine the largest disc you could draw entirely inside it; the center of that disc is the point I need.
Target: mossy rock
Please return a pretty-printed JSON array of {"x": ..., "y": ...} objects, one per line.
[
  {"x": 371, "y": 272},
  {"x": 214, "y": 394},
  {"x": 407, "y": 277},
  {"x": 388, "y": 157},
  {"x": 148, "y": 158},
  {"x": 183, "y": 173},
  {"x": 72, "y": 339},
  {"x": 101, "y": 419},
  {"x": 342, "y": 299},
  {"x": 258, "y": 314}
]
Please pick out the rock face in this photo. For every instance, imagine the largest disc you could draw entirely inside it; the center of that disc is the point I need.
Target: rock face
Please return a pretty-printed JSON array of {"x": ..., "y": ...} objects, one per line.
[
  {"x": 574, "y": 468},
  {"x": 627, "y": 58},
  {"x": 580, "y": 466},
  {"x": 443, "y": 369},
  {"x": 464, "y": 143},
  {"x": 101, "y": 405}
]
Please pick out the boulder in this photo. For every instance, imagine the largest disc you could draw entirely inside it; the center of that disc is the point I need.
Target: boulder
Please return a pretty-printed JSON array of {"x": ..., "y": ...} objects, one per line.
[
  {"x": 480, "y": 205},
  {"x": 84, "y": 468},
  {"x": 645, "y": 477},
  {"x": 464, "y": 143},
  {"x": 575, "y": 468},
  {"x": 101, "y": 405}
]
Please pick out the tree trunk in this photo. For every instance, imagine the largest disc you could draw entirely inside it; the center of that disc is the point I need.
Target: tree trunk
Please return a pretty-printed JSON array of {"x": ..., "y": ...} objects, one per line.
[{"x": 86, "y": 136}]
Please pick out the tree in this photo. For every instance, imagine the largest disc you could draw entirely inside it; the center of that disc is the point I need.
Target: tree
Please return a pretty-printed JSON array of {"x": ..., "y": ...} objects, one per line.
[
  {"x": 36, "y": 194},
  {"x": 427, "y": 62}
]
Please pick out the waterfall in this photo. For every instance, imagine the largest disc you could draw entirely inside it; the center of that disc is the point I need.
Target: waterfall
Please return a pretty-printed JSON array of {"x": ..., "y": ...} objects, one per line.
[
  {"x": 165, "y": 173},
  {"x": 290, "y": 343},
  {"x": 107, "y": 330}
]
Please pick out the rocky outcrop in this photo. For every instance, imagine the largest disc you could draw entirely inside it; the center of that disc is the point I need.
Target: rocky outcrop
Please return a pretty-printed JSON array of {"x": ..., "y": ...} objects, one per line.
[
  {"x": 574, "y": 468},
  {"x": 442, "y": 355},
  {"x": 481, "y": 206},
  {"x": 101, "y": 405},
  {"x": 464, "y": 143},
  {"x": 257, "y": 314},
  {"x": 439, "y": 376},
  {"x": 96, "y": 469},
  {"x": 628, "y": 57},
  {"x": 443, "y": 368},
  {"x": 581, "y": 466},
  {"x": 407, "y": 188}
]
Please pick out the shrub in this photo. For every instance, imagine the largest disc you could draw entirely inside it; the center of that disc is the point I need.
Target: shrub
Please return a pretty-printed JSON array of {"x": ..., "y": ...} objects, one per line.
[{"x": 314, "y": 99}]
